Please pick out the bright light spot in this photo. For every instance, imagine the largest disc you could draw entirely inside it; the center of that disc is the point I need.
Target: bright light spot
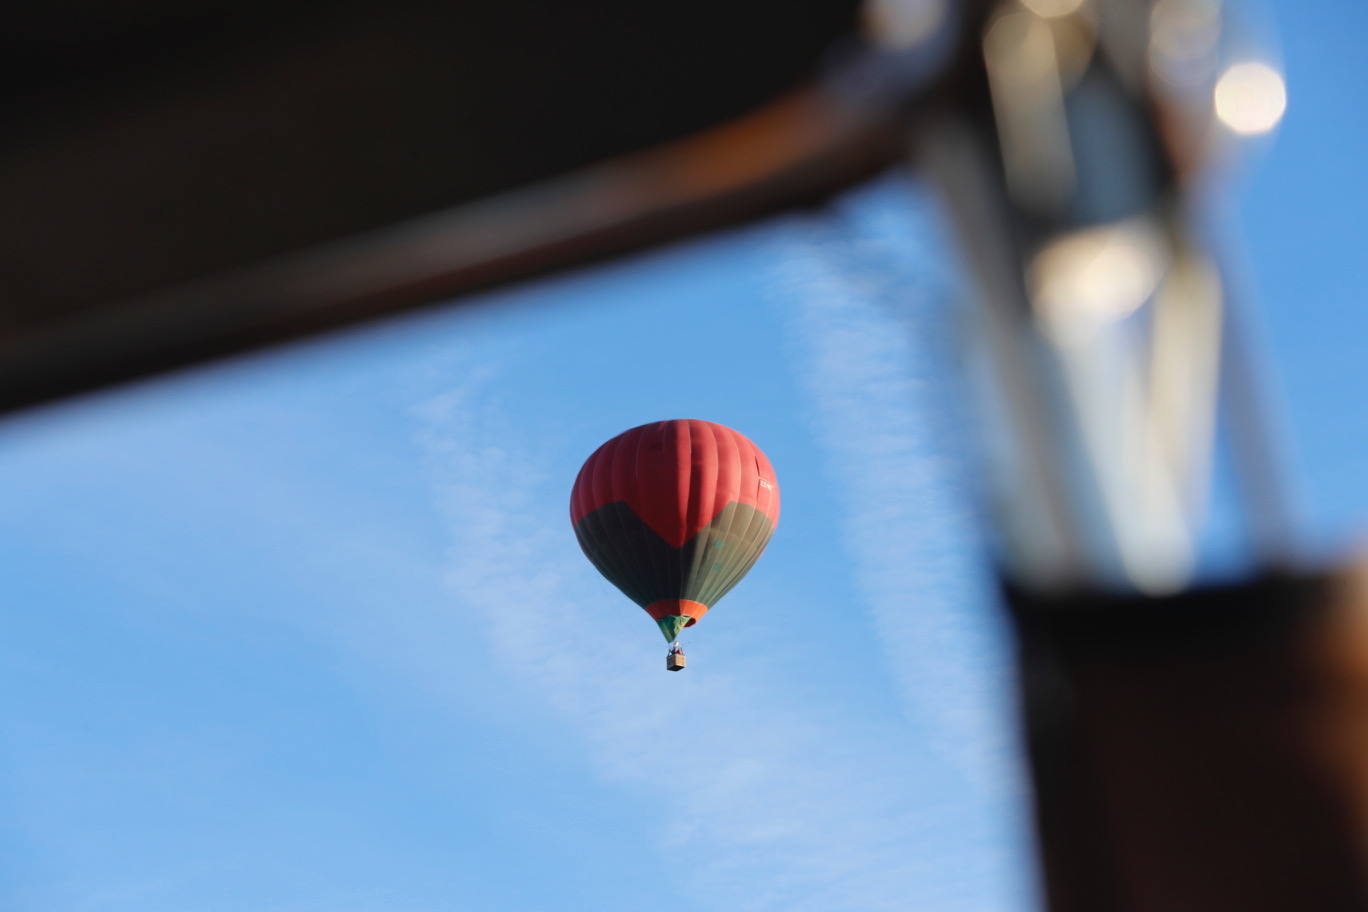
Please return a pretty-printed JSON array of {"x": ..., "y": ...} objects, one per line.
[
  {"x": 1052, "y": 9},
  {"x": 1250, "y": 98},
  {"x": 1096, "y": 276},
  {"x": 901, "y": 24}
]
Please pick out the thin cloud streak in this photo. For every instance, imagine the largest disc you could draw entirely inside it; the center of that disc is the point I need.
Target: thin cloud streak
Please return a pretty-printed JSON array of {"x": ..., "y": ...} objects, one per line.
[
  {"x": 772, "y": 804},
  {"x": 867, "y": 323}
]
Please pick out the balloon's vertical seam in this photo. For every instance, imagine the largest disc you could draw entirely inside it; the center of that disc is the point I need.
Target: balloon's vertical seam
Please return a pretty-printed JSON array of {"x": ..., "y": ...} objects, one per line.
[
  {"x": 717, "y": 584},
  {"x": 685, "y": 474},
  {"x": 701, "y": 538},
  {"x": 747, "y": 550},
  {"x": 600, "y": 494},
  {"x": 629, "y": 546},
  {"x": 727, "y": 526},
  {"x": 661, "y": 570}
]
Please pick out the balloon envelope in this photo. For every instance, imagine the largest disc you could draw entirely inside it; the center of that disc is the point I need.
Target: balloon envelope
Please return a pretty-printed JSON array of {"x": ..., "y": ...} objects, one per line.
[{"x": 674, "y": 514}]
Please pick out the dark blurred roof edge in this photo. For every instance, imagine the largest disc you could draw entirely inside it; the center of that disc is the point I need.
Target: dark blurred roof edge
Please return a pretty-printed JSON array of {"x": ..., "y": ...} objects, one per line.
[{"x": 184, "y": 182}]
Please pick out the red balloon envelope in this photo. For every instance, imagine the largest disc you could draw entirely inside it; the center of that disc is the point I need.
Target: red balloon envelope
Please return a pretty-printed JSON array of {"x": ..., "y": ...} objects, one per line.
[{"x": 674, "y": 513}]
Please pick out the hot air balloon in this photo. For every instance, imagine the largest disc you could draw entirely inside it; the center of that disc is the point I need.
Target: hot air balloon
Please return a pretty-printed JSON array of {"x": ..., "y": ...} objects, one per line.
[{"x": 674, "y": 513}]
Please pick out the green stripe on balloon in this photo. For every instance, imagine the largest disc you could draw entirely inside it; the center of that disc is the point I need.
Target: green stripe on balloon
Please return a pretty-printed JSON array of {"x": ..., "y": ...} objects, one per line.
[
  {"x": 671, "y": 625},
  {"x": 647, "y": 568}
]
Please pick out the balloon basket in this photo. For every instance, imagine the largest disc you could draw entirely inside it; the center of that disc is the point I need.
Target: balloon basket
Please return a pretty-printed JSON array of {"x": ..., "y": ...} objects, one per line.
[{"x": 675, "y": 661}]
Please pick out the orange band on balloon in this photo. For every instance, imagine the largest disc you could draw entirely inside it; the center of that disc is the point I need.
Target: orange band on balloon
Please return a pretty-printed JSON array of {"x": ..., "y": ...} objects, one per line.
[{"x": 667, "y": 607}]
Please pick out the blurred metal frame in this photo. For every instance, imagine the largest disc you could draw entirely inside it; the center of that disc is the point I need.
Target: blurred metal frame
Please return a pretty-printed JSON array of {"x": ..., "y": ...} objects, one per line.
[
  {"x": 796, "y": 151},
  {"x": 187, "y": 182}
]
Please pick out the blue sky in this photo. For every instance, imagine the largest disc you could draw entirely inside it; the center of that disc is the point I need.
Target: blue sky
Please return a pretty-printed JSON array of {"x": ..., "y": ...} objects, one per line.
[
  {"x": 310, "y": 631},
  {"x": 315, "y": 633},
  {"x": 1295, "y": 216}
]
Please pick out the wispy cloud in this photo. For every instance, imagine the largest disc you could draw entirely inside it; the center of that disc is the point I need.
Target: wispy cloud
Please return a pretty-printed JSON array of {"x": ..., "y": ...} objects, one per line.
[
  {"x": 868, "y": 312},
  {"x": 774, "y": 803}
]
